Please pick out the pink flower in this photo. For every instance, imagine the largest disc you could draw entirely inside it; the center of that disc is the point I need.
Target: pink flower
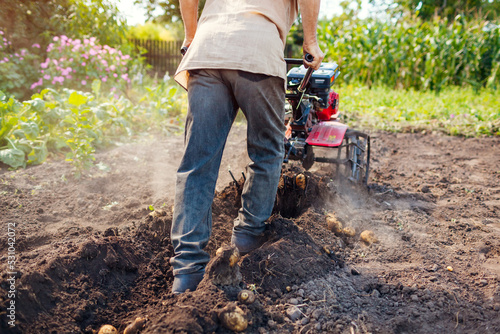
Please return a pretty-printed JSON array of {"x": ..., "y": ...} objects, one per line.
[
  {"x": 125, "y": 76},
  {"x": 104, "y": 79},
  {"x": 44, "y": 65},
  {"x": 92, "y": 52},
  {"x": 115, "y": 75},
  {"x": 36, "y": 45},
  {"x": 55, "y": 39},
  {"x": 84, "y": 82},
  {"x": 69, "y": 77},
  {"x": 84, "y": 63},
  {"x": 112, "y": 67},
  {"x": 1, "y": 32}
]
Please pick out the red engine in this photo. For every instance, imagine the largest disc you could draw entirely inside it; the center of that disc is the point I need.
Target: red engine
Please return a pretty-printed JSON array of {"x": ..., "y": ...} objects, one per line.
[{"x": 332, "y": 110}]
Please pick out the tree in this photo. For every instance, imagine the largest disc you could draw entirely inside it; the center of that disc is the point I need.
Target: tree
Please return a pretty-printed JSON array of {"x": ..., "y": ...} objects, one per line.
[
  {"x": 36, "y": 21},
  {"x": 426, "y": 9},
  {"x": 171, "y": 9}
]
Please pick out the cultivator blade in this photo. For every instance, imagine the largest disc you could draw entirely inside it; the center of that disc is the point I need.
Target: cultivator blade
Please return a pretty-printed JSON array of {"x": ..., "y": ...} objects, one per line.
[{"x": 353, "y": 157}]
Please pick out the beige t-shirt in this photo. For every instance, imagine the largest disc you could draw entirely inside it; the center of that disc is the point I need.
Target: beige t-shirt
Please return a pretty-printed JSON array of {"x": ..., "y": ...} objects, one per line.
[{"x": 247, "y": 35}]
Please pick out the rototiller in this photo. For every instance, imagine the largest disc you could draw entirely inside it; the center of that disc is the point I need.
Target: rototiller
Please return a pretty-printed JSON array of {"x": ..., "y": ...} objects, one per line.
[{"x": 314, "y": 132}]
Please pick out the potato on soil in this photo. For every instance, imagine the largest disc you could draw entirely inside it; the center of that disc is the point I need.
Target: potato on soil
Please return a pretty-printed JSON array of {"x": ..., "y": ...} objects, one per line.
[
  {"x": 135, "y": 326},
  {"x": 333, "y": 224},
  {"x": 349, "y": 231},
  {"x": 233, "y": 318},
  {"x": 368, "y": 237},
  {"x": 107, "y": 329},
  {"x": 246, "y": 297},
  {"x": 301, "y": 181}
]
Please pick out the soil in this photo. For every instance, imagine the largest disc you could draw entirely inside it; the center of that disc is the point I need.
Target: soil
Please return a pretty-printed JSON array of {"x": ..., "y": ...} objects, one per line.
[{"x": 90, "y": 251}]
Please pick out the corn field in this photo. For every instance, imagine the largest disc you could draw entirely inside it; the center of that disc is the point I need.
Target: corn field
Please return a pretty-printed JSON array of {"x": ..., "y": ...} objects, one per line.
[{"x": 414, "y": 54}]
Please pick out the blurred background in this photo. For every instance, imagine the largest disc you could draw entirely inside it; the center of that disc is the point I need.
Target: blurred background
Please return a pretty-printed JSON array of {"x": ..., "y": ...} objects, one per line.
[{"x": 80, "y": 75}]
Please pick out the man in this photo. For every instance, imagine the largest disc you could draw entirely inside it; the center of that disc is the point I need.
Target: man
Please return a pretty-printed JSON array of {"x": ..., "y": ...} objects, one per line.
[{"x": 234, "y": 60}]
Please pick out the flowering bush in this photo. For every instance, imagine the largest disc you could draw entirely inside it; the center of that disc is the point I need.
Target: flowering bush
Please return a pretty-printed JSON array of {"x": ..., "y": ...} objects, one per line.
[
  {"x": 17, "y": 68},
  {"x": 76, "y": 63}
]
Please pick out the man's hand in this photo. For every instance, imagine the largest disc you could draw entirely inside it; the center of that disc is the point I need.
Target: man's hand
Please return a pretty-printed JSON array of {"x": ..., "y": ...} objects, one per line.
[
  {"x": 310, "y": 11},
  {"x": 189, "y": 12},
  {"x": 316, "y": 52}
]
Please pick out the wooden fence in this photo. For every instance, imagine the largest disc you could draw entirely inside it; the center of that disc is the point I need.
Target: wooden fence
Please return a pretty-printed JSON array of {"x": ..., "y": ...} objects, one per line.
[{"x": 163, "y": 56}]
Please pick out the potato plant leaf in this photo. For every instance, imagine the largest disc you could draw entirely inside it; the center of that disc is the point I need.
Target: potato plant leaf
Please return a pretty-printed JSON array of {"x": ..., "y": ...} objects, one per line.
[{"x": 13, "y": 157}]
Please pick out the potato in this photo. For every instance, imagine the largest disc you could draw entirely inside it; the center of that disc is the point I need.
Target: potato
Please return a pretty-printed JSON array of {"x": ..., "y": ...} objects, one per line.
[
  {"x": 349, "y": 231},
  {"x": 233, "y": 318},
  {"x": 246, "y": 297},
  {"x": 135, "y": 326},
  {"x": 369, "y": 237},
  {"x": 234, "y": 258},
  {"x": 107, "y": 329},
  {"x": 301, "y": 181},
  {"x": 333, "y": 224}
]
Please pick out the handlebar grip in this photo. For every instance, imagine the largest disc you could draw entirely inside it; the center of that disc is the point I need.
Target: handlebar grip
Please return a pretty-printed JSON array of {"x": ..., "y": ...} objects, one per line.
[
  {"x": 184, "y": 50},
  {"x": 308, "y": 57}
]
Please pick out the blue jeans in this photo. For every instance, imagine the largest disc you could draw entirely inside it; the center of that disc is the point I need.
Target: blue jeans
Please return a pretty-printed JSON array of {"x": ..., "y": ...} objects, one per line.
[{"x": 214, "y": 97}]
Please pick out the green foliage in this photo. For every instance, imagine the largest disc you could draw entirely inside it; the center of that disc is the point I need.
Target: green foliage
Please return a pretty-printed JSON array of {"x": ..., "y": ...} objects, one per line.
[
  {"x": 75, "y": 123},
  {"x": 427, "y": 9},
  {"x": 152, "y": 31},
  {"x": 415, "y": 54},
  {"x": 17, "y": 69},
  {"x": 37, "y": 21},
  {"x": 171, "y": 9},
  {"x": 455, "y": 111}
]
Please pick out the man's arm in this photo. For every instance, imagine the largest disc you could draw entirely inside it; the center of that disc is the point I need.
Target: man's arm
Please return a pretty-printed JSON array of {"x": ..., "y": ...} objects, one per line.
[
  {"x": 309, "y": 10},
  {"x": 189, "y": 12}
]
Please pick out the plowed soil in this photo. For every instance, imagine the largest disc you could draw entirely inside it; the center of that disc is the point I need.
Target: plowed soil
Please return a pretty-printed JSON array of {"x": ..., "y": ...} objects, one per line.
[{"x": 91, "y": 251}]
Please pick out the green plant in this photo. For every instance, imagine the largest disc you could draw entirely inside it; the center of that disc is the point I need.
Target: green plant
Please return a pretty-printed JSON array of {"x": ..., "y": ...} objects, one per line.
[
  {"x": 75, "y": 123},
  {"x": 17, "y": 68},
  {"x": 454, "y": 111},
  {"x": 410, "y": 53}
]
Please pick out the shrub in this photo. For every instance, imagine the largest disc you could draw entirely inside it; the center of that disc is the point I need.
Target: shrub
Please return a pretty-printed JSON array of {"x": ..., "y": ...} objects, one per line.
[
  {"x": 17, "y": 68},
  {"x": 76, "y": 63}
]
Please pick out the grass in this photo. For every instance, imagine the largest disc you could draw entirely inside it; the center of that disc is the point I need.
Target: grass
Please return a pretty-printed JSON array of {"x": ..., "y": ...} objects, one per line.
[{"x": 454, "y": 111}]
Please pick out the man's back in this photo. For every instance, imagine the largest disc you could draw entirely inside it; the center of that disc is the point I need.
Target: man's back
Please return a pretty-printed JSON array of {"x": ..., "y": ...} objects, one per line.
[{"x": 247, "y": 35}]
